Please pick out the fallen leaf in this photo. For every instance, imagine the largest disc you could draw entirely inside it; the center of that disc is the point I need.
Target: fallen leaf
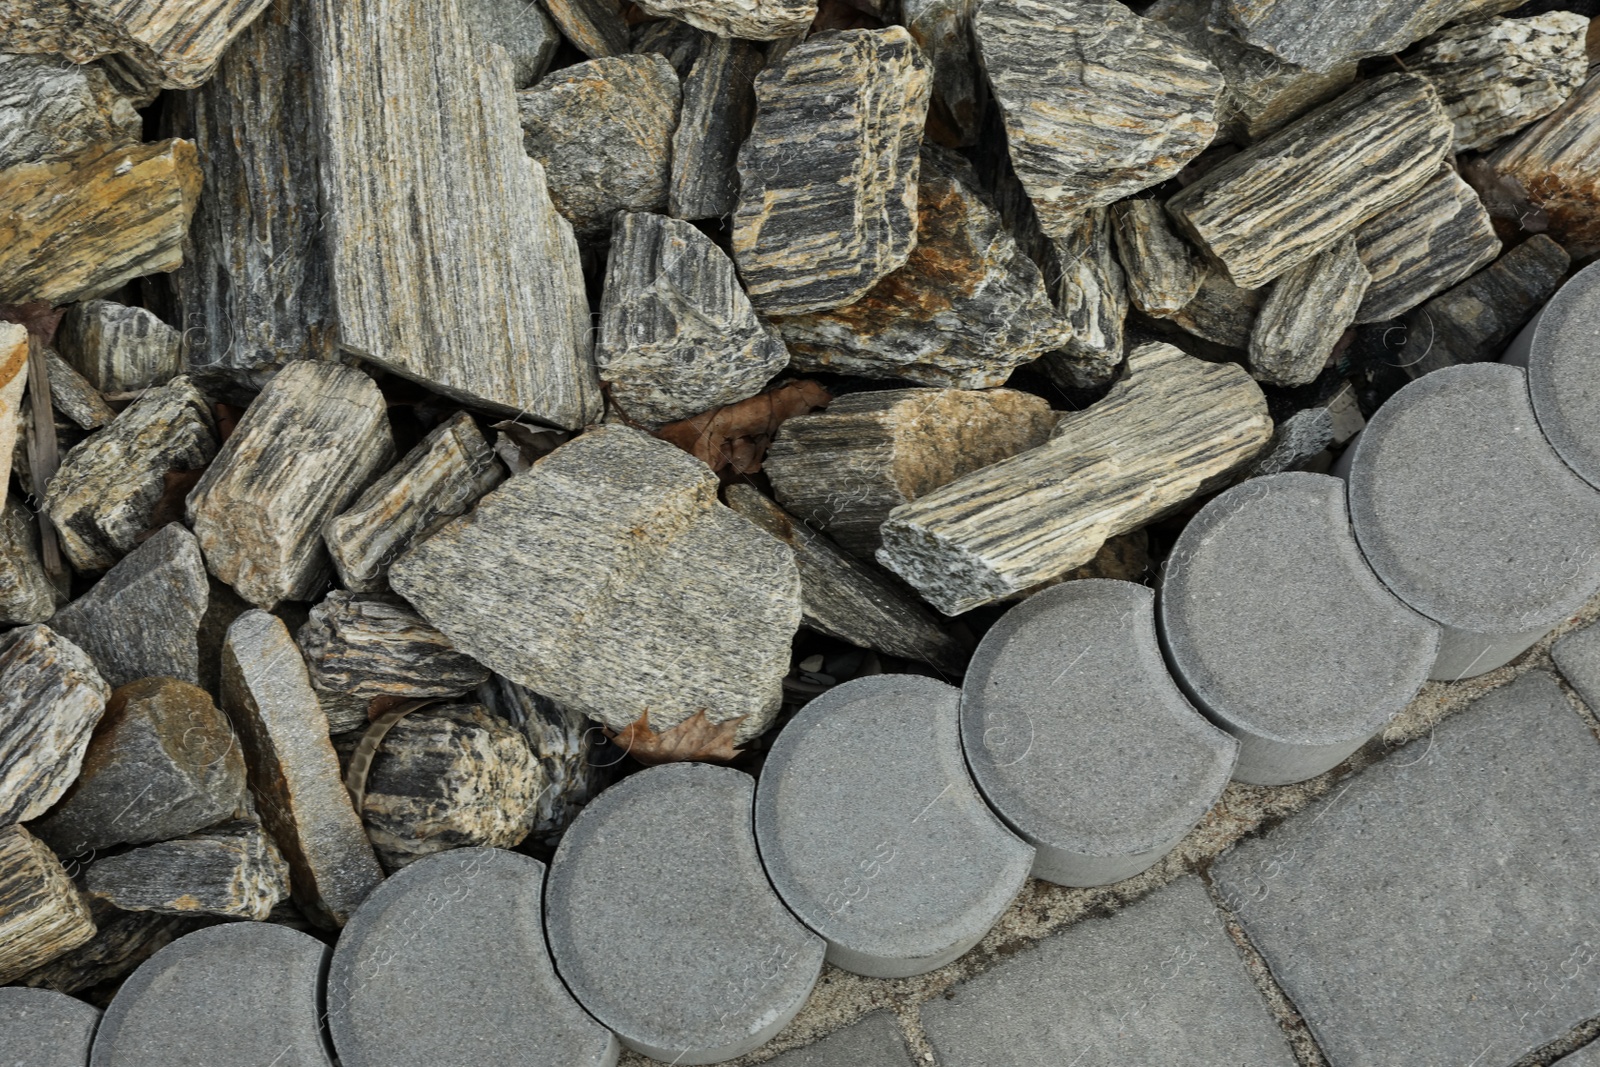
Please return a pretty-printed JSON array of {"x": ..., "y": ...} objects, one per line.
[
  {"x": 736, "y": 436},
  {"x": 695, "y": 738}
]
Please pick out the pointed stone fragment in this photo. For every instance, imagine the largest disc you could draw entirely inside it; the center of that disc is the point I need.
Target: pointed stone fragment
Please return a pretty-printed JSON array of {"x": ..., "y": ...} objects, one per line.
[
  {"x": 51, "y": 697},
  {"x": 305, "y": 448},
  {"x": 966, "y": 308},
  {"x": 118, "y": 349},
  {"x": 233, "y": 871},
  {"x": 13, "y": 379},
  {"x": 603, "y": 132},
  {"x": 1424, "y": 245},
  {"x": 1320, "y": 34},
  {"x": 1162, "y": 270},
  {"x": 42, "y": 914},
  {"x": 610, "y": 535},
  {"x": 520, "y": 27},
  {"x": 1291, "y": 195},
  {"x": 1472, "y": 322},
  {"x": 449, "y": 265},
  {"x": 1098, "y": 102},
  {"x": 371, "y": 645},
  {"x": 294, "y": 773},
  {"x": 572, "y": 752},
  {"x": 440, "y": 478},
  {"x": 86, "y": 224},
  {"x": 677, "y": 333},
  {"x": 1553, "y": 167},
  {"x": 54, "y": 108},
  {"x": 719, "y": 104},
  {"x": 73, "y": 396},
  {"x": 841, "y": 471},
  {"x": 828, "y": 175},
  {"x": 1303, "y": 316},
  {"x": 1171, "y": 429},
  {"x": 1093, "y": 299},
  {"x": 26, "y": 592},
  {"x": 943, "y": 30},
  {"x": 595, "y": 27},
  {"x": 753, "y": 20}
]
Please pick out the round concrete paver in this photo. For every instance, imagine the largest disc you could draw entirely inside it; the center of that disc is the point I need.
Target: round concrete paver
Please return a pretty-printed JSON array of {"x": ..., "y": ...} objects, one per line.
[
  {"x": 1561, "y": 351},
  {"x": 43, "y": 1028}
]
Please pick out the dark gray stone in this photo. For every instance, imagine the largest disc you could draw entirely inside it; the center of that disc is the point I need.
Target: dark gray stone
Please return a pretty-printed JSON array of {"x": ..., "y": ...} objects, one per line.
[
  {"x": 232, "y": 870},
  {"x": 26, "y": 592},
  {"x": 1472, "y": 322},
  {"x": 368, "y": 645},
  {"x": 719, "y": 104},
  {"x": 1297, "y": 442},
  {"x": 118, "y": 349},
  {"x": 1303, "y": 316},
  {"x": 1563, "y": 377},
  {"x": 663, "y": 924},
  {"x": 875, "y": 1041},
  {"x": 1439, "y": 909},
  {"x": 1319, "y": 34},
  {"x": 43, "y": 1028},
  {"x": 521, "y": 28},
  {"x": 73, "y": 395}
]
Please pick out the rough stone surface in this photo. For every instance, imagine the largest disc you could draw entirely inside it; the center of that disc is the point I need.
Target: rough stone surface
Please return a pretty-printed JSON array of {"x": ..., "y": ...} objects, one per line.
[
  {"x": 51, "y": 698},
  {"x": 1320, "y": 34},
  {"x": 1102, "y": 774},
  {"x": 1551, "y": 168},
  {"x": 43, "y": 1028},
  {"x": 1162, "y": 270},
  {"x": 73, "y": 395},
  {"x": 1472, "y": 322},
  {"x": 123, "y": 940},
  {"x": 677, "y": 42},
  {"x": 843, "y": 470},
  {"x": 609, "y": 536},
  {"x": 1172, "y": 428},
  {"x": 372, "y": 645},
  {"x": 239, "y": 993},
  {"x": 83, "y": 225},
  {"x": 399, "y": 1000},
  {"x": 753, "y": 20},
  {"x": 886, "y": 849},
  {"x": 943, "y": 30},
  {"x": 828, "y": 175},
  {"x": 54, "y": 108},
  {"x": 719, "y": 104},
  {"x": 294, "y": 773},
  {"x": 1303, "y": 316},
  {"x": 13, "y": 378},
  {"x": 1390, "y": 937},
  {"x": 1562, "y": 374},
  {"x": 312, "y": 441},
  {"x": 233, "y": 871},
  {"x": 164, "y": 762},
  {"x": 26, "y": 592},
  {"x": 1220, "y": 312},
  {"x": 520, "y": 27},
  {"x": 1296, "y": 442},
  {"x": 875, "y": 1040},
  {"x": 1098, "y": 102},
  {"x": 677, "y": 333},
  {"x": 119, "y": 349},
  {"x": 966, "y": 308},
  {"x": 42, "y": 914},
  {"x": 697, "y": 917},
  {"x": 449, "y": 264},
  {"x": 443, "y": 476},
  {"x": 1289, "y": 196},
  {"x": 1278, "y": 630},
  {"x": 595, "y": 27}
]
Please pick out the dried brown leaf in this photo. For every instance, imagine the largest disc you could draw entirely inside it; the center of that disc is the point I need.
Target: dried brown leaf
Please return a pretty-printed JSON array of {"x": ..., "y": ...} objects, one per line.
[
  {"x": 695, "y": 738},
  {"x": 736, "y": 436}
]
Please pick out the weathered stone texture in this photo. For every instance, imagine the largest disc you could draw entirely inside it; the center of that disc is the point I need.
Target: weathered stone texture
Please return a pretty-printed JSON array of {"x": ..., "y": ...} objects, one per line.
[
  {"x": 119, "y": 349},
  {"x": 13, "y": 379},
  {"x": 42, "y": 914},
  {"x": 233, "y": 871},
  {"x": 520, "y": 27},
  {"x": 51, "y": 698},
  {"x": 122, "y": 941},
  {"x": 54, "y": 108},
  {"x": 572, "y": 752},
  {"x": 719, "y": 104},
  {"x": 1320, "y": 34},
  {"x": 73, "y": 396},
  {"x": 1301, "y": 320},
  {"x": 26, "y": 592},
  {"x": 1553, "y": 165},
  {"x": 595, "y": 27},
  {"x": 371, "y": 645},
  {"x": 753, "y": 20},
  {"x": 1092, "y": 296},
  {"x": 1473, "y": 322},
  {"x": 943, "y": 30},
  {"x": 1220, "y": 312},
  {"x": 1163, "y": 271}
]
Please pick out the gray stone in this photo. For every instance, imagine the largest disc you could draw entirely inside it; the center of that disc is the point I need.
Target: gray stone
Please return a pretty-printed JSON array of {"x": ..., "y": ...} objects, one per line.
[
  {"x": 677, "y": 42},
  {"x": 1297, "y": 443},
  {"x": 943, "y": 30},
  {"x": 697, "y": 960},
  {"x": 143, "y": 617},
  {"x": 233, "y": 871},
  {"x": 595, "y": 27},
  {"x": 368, "y": 645},
  {"x": 1303, "y": 316},
  {"x": 1081, "y": 740},
  {"x": 875, "y": 1041},
  {"x": 1588, "y": 1056},
  {"x": 1158, "y": 983},
  {"x": 754, "y": 20},
  {"x": 118, "y": 349},
  {"x": 719, "y": 104},
  {"x": 123, "y": 940},
  {"x": 1093, "y": 300},
  {"x": 51, "y": 699},
  {"x": 1320, "y": 34},
  {"x": 520, "y": 27},
  {"x": 73, "y": 396},
  {"x": 1278, "y": 630},
  {"x": 26, "y": 592},
  {"x": 235, "y": 995},
  {"x": 1557, "y": 349},
  {"x": 1221, "y": 312},
  {"x": 54, "y": 108},
  {"x": 480, "y": 980},
  {"x": 43, "y": 915},
  {"x": 1546, "y": 175},
  {"x": 677, "y": 333},
  {"x": 1468, "y": 515},
  {"x": 1381, "y": 910},
  {"x": 874, "y": 834},
  {"x": 43, "y": 1028},
  {"x": 1162, "y": 270},
  {"x": 1577, "y": 656}
]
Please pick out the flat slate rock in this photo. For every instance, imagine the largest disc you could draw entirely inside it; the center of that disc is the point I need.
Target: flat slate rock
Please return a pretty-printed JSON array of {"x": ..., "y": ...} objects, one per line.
[
  {"x": 1381, "y": 910},
  {"x": 1279, "y": 631},
  {"x": 54, "y": 109},
  {"x": 1562, "y": 377},
  {"x": 480, "y": 980},
  {"x": 119, "y": 349},
  {"x": 1468, "y": 515},
  {"x": 595, "y": 27},
  {"x": 43, "y": 1028},
  {"x": 873, "y": 833},
  {"x": 875, "y": 1041},
  {"x": 752, "y": 20},
  {"x": 1318, "y": 34},
  {"x": 1081, "y": 740},
  {"x": 51, "y": 699},
  {"x": 685, "y": 952},
  {"x": 1588, "y": 1056},
  {"x": 235, "y": 995},
  {"x": 43, "y": 915},
  {"x": 719, "y": 105},
  {"x": 232, "y": 870},
  {"x": 1160, "y": 982}
]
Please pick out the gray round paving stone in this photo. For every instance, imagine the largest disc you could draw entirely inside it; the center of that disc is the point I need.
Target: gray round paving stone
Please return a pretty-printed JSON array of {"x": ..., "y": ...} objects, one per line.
[
  {"x": 663, "y": 924},
  {"x": 1281, "y": 634},
  {"x": 1080, "y": 739},
  {"x": 1469, "y": 516},
  {"x": 445, "y": 965},
  {"x": 236, "y": 995},
  {"x": 43, "y": 1028},
  {"x": 1558, "y": 349},
  {"x": 874, "y": 834}
]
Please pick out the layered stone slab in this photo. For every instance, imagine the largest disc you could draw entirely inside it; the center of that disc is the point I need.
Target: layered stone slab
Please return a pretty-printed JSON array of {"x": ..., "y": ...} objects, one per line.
[
  {"x": 42, "y": 913},
  {"x": 754, "y": 20},
  {"x": 480, "y": 979},
  {"x": 1160, "y": 982},
  {"x": 1319, "y": 34},
  {"x": 43, "y": 1028},
  {"x": 54, "y": 108},
  {"x": 232, "y": 871},
  {"x": 1080, "y": 739},
  {"x": 1279, "y": 631},
  {"x": 719, "y": 104},
  {"x": 1303, "y": 316},
  {"x": 1550, "y": 168},
  {"x": 26, "y": 591},
  {"x": 1556, "y": 348},
  {"x": 51, "y": 699},
  {"x": 119, "y": 349},
  {"x": 876, "y": 1041},
  {"x": 1163, "y": 271},
  {"x": 1389, "y": 932},
  {"x": 685, "y": 952}
]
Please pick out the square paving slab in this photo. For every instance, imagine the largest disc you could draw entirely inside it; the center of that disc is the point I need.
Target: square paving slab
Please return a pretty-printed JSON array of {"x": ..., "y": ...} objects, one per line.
[
  {"x": 1440, "y": 909},
  {"x": 875, "y": 1041},
  {"x": 1577, "y": 657}
]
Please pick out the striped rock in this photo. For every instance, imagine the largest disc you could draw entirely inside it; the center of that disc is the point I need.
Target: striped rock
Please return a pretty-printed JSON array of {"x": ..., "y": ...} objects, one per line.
[
  {"x": 1092, "y": 297},
  {"x": 232, "y": 870},
  {"x": 51, "y": 699},
  {"x": 73, "y": 396},
  {"x": 42, "y": 914},
  {"x": 119, "y": 349},
  {"x": 26, "y": 592},
  {"x": 373, "y": 645},
  {"x": 1319, "y": 34},
  {"x": 55, "y": 108},
  {"x": 1553, "y": 166},
  {"x": 1424, "y": 245},
  {"x": 1301, "y": 320},
  {"x": 1162, "y": 270},
  {"x": 752, "y": 20},
  {"x": 943, "y": 30},
  {"x": 13, "y": 379},
  {"x": 594, "y": 27},
  {"x": 719, "y": 104}
]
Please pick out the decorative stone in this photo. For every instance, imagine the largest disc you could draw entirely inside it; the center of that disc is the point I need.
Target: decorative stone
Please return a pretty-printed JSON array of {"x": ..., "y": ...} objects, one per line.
[
  {"x": 1098, "y": 102},
  {"x": 73, "y": 396},
  {"x": 1555, "y": 348},
  {"x": 595, "y": 27},
  {"x": 371, "y": 645},
  {"x": 1297, "y": 443},
  {"x": 1469, "y": 516},
  {"x": 233, "y": 870},
  {"x": 943, "y": 30},
  {"x": 303, "y": 450},
  {"x": 238, "y": 993},
  {"x": 1472, "y": 322},
  {"x": 123, "y": 940},
  {"x": 828, "y": 175},
  {"x": 485, "y": 301},
  {"x": 1301, "y": 687},
  {"x": 1286, "y": 198},
  {"x": 603, "y": 132},
  {"x": 697, "y": 960},
  {"x": 677, "y": 333},
  {"x": 886, "y": 849},
  {"x": 843, "y": 470},
  {"x": 118, "y": 349},
  {"x": 164, "y": 762},
  {"x": 114, "y": 215},
  {"x": 13, "y": 377},
  {"x": 719, "y": 104},
  {"x": 26, "y": 592},
  {"x": 55, "y": 108},
  {"x": 399, "y": 1000},
  {"x": 43, "y": 1028},
  {"x": 1552, "y": 168},
  {"x": 443, "y": 476},
  {"x": 294, "y": 773},
  {"x": 1093, "y": 300},
  {"x": 753, "y": 20},
  {"x": 1079, "y": 738},
  {"x": 1172, "y": 428},
  {"x": 677, "y": 42},
  {"x": 1303, "y": 317},
  {"x": 608, "y": 536},
  {"x": 1162, "y": 271},
  {"x": 1320, "y": 34},
  {"x": 520, "y": 27},
  {"x": 1220, "y": 312},
  {"x": 51, "y": 697},
  {"x": 42, "y": 914},
  {"x": 875, "y": 1040}
]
